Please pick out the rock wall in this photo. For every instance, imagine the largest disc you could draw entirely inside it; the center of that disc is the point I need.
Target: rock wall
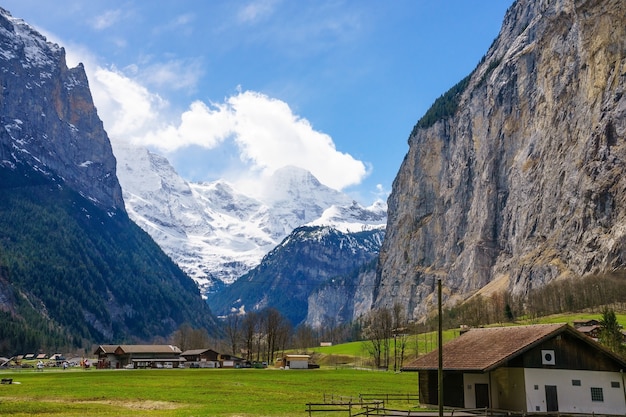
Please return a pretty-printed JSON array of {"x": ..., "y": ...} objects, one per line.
[
  {"x": 526, "y": 181},
  {"x": 47, "y": 116}
]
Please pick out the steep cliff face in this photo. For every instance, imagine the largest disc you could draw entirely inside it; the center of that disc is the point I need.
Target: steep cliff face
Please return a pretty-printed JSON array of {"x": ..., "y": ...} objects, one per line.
[
  {"x": 523, "y": 181},
  {"x": 60, "y": 134},
  {"x": 312, "y": 275},
  {"x": 74, "y": 270},
  {"x": 343, "y": 299}
]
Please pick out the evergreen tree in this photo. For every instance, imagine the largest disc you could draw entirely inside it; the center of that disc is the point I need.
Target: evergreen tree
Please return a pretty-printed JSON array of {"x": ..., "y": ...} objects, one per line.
[{"x": 611, "y": 333}]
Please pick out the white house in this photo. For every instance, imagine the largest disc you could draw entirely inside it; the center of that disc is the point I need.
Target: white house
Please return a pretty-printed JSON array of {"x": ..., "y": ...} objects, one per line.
[
  {"x": 293, "y": 361},
  {"x": 539, "y": 368}
]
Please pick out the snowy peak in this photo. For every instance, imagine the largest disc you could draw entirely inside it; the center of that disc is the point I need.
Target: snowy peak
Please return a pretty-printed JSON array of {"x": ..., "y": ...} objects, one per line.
[
  {"x": 25, "y": 42},
  {"x": 291, "y": 182},
  {"x": 354, "y": 218},
  {"x": 217, "y": 233}
]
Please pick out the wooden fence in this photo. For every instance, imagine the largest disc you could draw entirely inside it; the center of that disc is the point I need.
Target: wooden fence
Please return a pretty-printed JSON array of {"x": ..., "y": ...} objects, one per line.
[{"x": 364, "y": 405}]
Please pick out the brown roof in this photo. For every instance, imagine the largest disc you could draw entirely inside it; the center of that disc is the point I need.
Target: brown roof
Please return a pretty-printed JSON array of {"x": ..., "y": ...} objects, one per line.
[
  {"x": 106, "y": 349},
  {"x": 588, "y": 329},
  {"x": 485, "y": 349},
  {"x": 149, "y": 349},
  {"x": 137, "y": 349},
  {"x": 197, "y": 352}
]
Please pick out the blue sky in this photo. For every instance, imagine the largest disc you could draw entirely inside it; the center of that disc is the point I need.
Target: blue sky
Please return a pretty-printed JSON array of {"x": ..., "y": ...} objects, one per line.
[{"x": 236, "y": 89}]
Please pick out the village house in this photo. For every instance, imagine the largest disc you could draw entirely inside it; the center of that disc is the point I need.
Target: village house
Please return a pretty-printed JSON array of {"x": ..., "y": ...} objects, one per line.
[
  {"x": 293, "y": 361},
  {"x": 138, "y": 356},
  {"x": 591, "y": 327},
  {"x": 231, "y": 361},
  {"x": 201, "y": 358},
  {"x": 539, "y": 368}
]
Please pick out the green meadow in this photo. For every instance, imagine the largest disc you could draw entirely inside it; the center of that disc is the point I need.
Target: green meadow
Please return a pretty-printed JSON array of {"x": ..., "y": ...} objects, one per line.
[{"x": 189, "y": 392}]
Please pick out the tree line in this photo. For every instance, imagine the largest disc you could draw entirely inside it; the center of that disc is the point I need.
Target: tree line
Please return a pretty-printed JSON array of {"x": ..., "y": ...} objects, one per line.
[{"x": 385, "y": 332}]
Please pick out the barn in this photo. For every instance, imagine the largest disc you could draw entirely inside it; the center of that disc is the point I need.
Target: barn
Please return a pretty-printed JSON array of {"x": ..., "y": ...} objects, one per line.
[{"x": 537, "y": 368}]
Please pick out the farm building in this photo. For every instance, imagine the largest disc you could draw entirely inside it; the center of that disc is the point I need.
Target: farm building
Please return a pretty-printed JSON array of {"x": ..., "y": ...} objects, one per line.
[
  {"x": 138, "y": 356},
  {"x": 202, "y": 358},
  {"x": 540, "y": 368},
  {"x": 230, "y": 361},
  {"x": 293, "y": 362}
]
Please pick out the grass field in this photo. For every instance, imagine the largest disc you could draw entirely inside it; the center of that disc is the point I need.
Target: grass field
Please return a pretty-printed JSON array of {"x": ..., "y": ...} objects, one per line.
[
  {"x": 188, "y": 392},
  {"x": 218, "y": 392}
]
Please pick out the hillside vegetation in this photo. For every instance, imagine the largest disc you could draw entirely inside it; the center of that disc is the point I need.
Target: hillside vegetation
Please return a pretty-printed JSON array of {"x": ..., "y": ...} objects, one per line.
[{"x": 72, "y": 274}]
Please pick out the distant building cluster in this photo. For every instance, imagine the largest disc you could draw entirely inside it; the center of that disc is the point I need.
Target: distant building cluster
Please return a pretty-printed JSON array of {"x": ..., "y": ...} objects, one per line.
[{"x": 168, "y": 356}]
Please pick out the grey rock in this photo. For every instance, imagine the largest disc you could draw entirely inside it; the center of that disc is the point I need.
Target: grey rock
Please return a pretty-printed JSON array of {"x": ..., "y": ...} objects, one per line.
[
  {"x": 524, "y": 183},
  {"x": 47, "y": 115}
]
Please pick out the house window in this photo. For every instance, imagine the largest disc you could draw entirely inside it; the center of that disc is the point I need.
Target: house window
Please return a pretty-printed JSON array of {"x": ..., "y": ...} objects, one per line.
[
  {"x": 536, "y": 387},
  {"x": 576, "y": 382},
  {"x": 615, "y": 384},
  {"x": 596, "y": 394}
]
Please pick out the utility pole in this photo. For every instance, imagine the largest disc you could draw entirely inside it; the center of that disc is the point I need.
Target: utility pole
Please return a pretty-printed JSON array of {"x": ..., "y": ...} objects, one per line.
[{"x": 440, "y": 348}]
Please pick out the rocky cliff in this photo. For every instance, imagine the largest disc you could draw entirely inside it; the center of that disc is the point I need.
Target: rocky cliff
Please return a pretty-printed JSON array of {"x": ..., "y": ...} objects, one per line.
[
  {"x": 315, "y": 274},
  {"x": 74, "y": 270},
  {"x": 517, "y": 176},
  {"x": 48, "y": 117}
]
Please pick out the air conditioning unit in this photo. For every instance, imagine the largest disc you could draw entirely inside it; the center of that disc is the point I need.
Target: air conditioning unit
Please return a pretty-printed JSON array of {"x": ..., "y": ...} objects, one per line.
[{"x": 547, "y": 357}]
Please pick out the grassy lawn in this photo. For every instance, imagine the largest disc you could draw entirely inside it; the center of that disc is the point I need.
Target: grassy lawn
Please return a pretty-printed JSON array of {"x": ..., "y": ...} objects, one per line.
[{"x": 188, "y": 392}]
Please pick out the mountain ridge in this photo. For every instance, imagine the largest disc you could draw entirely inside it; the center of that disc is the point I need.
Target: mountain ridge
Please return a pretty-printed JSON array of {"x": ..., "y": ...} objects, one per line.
[
  {"x": 217, "y": 233},
  {"x": 520, "y": 183},
  {"x": 74, "y": 270}
]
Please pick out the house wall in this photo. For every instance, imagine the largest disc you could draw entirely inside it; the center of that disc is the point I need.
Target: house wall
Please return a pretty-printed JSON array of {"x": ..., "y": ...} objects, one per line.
[
  {"x": 469, "y": 388},
  {"x": 575, "y": 398},
  {"x": 298, "y": 364},
  {"x": 508, "y": 390}
]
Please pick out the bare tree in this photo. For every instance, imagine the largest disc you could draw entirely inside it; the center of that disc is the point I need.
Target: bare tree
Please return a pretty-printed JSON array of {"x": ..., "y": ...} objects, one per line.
[
  {"x": 182, "y": 336},
  {"x": 304, "y": 337},
  {"x": 378, "y": 330},
  {"x": 233, "y": 327},
  {"x": 186, "y": 337},
  {"x": 277, "y": 332},
  {"x": 249, "y": 331}
]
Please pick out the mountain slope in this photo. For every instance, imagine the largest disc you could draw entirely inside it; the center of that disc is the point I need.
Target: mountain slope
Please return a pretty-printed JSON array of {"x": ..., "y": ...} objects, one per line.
[
  {"x": 516, "y": 177},
  {"x": 74, "y": 270},
  {"x": 216, "y": 233},
  {"x": 305, "y": 261}
]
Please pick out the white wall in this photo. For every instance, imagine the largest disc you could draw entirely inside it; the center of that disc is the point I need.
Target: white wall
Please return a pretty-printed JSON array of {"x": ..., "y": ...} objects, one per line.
[
  {"x": 469, "y": 390},
  {"x": 575, "y": 399},
  {"x": 298, "y": 364}
]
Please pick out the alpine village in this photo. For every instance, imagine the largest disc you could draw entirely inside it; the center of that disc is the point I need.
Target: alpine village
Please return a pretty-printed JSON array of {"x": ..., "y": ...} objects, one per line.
[{"x": 492, "y": 282}]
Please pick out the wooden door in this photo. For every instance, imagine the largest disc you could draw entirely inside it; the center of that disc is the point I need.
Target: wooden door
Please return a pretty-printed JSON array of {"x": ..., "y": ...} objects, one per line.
[
  {"x": 552, "y": 400},
  {"x": 482, "y": 395}
]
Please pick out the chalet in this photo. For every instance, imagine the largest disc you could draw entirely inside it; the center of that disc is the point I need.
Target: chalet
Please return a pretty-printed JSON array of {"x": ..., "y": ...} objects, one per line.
[
  {"x": 592, "y": 331},
  {"x": 540, "y": 368},
  {"x": 138, "y": 356},
  {"x": 230, "y": 361},
  {"x": 585, "y": 323},
  {"x": 293, "y": 362},
  {"x": 201, "y": 358}
]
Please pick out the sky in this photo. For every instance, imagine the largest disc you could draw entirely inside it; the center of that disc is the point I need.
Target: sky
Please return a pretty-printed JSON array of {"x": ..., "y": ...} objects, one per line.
[{"x": 234, "y": 90}]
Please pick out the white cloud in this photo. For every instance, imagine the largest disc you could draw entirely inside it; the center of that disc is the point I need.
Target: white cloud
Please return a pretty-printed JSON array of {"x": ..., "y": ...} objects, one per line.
[
  {"x": 173, "y": 75},
  {"x": 127, "y": 108},
  {"x": 268, "y": 135},
  {"x": 256, "y": 10},
  {"x": 264, "y": 131},
  {"x": 107, "y": 19}
]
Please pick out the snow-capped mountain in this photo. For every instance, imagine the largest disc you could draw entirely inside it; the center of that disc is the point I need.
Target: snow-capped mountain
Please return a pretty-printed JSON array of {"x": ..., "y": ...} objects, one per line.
[{"x": 216, "y": 233}]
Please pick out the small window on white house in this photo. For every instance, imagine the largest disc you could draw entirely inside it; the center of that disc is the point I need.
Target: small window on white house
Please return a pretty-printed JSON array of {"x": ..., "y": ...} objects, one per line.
[
  {"x": 597, "y": 394},
  {"x": 615, "y": 384},
  {"x": 536, "y": 387},
  {"x": 576, "y": 382}
]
